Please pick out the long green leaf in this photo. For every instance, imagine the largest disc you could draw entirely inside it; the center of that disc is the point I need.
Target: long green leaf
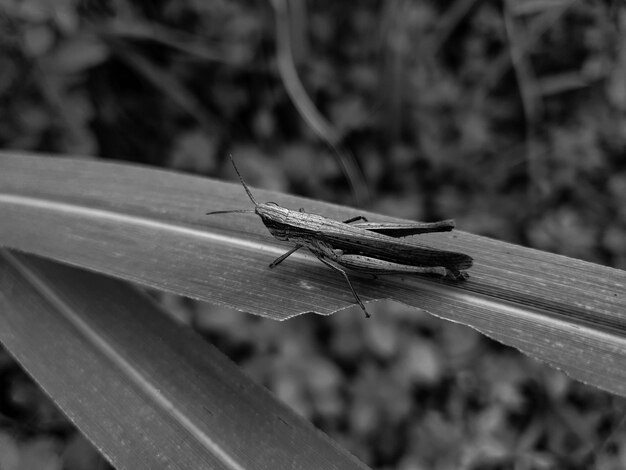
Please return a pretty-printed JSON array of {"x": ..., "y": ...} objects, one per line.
[
  {"x": 149, "y": 393},
  {"x": 148, "y": 226}
]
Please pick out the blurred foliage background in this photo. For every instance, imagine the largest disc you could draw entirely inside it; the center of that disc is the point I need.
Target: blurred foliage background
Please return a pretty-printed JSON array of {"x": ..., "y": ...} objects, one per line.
[{"x": 509, "y": 116}]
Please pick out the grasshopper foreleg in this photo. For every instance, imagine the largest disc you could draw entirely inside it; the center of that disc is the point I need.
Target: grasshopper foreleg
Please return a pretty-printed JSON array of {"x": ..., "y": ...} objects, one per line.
[
  {"x": 284, "y": 256},
  {"x": 345, "y": 275}
]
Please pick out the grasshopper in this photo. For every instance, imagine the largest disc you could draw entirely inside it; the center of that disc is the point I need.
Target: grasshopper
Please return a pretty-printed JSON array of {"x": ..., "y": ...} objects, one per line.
[{"x": 357, "y": 244}]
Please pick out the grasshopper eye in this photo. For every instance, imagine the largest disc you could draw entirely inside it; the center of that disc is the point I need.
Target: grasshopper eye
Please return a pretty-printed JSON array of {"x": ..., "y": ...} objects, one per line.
[{"x": 272, "y": 203}]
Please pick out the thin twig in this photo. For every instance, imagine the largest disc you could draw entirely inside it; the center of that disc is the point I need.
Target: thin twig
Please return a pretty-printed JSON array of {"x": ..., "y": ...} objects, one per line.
[
  {"x": 530, "y": 94},
  {"x": 448, "y": 23},
  {"x": 307, "y": 109},
  {"x": 500, "y": 65}
]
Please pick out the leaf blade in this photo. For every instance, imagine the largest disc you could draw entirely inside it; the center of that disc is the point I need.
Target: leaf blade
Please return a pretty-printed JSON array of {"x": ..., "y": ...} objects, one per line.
[
  {"x": 532, "y": 300},
  {"x": 148, "y": 392}
]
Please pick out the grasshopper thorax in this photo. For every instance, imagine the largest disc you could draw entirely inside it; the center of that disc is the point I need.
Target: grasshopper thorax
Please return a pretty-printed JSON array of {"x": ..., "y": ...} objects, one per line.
[{"x": 274, "y": 217}]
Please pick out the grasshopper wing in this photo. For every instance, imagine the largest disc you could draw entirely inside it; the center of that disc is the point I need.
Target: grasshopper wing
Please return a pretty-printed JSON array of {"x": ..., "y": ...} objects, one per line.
[{"x": 397, "y": 230}]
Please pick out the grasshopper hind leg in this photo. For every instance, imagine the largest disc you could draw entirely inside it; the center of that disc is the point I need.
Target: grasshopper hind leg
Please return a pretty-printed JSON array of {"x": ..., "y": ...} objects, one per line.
[{"x": 345, "y": 275}]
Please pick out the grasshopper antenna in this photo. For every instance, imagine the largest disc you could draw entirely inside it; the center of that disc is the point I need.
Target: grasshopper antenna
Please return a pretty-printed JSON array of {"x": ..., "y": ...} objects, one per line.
[{"x": 245, "y": 186}]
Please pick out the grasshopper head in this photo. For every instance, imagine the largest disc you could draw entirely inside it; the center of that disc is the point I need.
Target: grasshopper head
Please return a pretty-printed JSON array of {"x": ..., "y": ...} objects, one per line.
[{"x": 273, "y": 216}]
